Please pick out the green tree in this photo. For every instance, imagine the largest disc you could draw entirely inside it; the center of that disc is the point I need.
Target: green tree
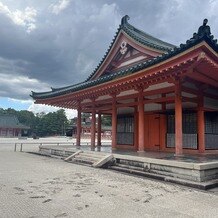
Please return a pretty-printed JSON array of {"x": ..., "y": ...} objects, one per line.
[
  {"x": 53, "y": 123},
  {"x": 106, "y": 120}
]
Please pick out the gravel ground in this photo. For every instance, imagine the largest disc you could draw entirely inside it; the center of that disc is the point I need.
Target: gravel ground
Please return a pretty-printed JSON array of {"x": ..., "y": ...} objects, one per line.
[{"x": 37, "y": 186}]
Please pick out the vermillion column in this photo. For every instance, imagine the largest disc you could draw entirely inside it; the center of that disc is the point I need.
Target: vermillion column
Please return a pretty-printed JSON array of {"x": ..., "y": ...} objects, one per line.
[
  {"x": 93, "y": 129},
  {"x": 201, "y": 123},
  {"x": 78, "y": 136},
  {"x": 99, "y": 130},
  {"x": 114, "y": 122},
  {"x": 178, "y": 119},
  {"x": 141, "y": 122}
]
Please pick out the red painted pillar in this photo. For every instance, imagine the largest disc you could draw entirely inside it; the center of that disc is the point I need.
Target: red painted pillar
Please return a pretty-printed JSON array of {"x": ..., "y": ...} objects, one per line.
[
  {"x": 114, "y": 123},
  {"x": 201, "y": 123},
  {"x": 78, "y": 135},
  {"x": 93, "y": 129},
  {"x": 99, "y": 130},
  {"x": 178, "y": 119},
  {"x": 141, "y": 122}
]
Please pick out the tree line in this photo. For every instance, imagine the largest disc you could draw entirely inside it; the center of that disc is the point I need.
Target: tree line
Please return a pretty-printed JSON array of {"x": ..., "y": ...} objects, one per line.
[
  {"x": 50, "y": 124},
  {"x": 41, "y": 124}
]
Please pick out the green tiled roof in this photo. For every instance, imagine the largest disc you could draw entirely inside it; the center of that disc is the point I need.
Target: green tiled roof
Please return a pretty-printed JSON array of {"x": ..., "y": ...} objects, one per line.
[
  {"x": 203, "y": 34},
  {"x": 11, "y": 121},
  {"x": 143, "y": 37}
]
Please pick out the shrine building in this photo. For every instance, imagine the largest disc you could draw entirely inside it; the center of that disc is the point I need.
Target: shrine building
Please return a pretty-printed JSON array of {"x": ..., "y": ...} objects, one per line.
[
  {"x": 161, "y": 97},
  {"x": 11, "y": 127}
]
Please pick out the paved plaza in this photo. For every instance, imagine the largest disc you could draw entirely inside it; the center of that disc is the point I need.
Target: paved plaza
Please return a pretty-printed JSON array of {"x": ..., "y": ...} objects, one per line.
[{"x": 38, "y": 186}]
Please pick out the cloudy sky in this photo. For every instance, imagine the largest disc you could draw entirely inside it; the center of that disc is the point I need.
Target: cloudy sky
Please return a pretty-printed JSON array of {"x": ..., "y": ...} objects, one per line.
[{"x": 54, "y": 43}]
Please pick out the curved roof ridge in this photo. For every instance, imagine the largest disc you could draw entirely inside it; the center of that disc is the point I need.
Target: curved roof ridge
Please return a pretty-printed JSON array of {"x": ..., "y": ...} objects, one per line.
[
  {"x": 57, "y": 89},
  {"x": 142, "y": 33},
  {"x": 70, "y": 86}
]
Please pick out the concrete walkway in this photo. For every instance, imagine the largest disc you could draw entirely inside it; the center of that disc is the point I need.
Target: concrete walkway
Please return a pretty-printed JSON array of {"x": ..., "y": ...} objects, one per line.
[{"x": 37, "y": 186}]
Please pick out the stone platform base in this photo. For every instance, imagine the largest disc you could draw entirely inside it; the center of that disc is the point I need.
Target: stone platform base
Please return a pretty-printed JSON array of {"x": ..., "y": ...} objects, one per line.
[{"x": 198, "y": 175}]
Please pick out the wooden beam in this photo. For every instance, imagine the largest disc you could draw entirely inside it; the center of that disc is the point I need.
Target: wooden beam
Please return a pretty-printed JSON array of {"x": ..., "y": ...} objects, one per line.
[
  {"x": 133, "y": 96},
  {"x": 168, "y": 99},
  {"x": 196, "y": 92},
  {"x": 203, "y": 78},
  {"x": 189, "y": 90},
  {"x": 188, "y": 99}
]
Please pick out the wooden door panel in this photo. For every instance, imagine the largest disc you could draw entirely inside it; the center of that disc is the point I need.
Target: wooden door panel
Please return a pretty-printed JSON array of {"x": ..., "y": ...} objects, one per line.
[{"x": 152, "y": 132}]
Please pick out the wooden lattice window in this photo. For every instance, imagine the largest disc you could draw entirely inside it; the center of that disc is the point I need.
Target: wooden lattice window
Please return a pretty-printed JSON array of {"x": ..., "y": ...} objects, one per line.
[
  {"x": 189, "y": 123},
  {"x": 125, "y": 130},
  {"x": 211, "y": 123}
]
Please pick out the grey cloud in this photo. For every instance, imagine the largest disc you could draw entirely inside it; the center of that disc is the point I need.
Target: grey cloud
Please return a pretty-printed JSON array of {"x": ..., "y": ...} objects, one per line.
[{"x": 19, "y": 86}]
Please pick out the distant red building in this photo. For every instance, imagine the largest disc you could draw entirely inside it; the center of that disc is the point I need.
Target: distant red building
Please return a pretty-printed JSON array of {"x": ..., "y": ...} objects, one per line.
[{"x": 11, "y": 127}]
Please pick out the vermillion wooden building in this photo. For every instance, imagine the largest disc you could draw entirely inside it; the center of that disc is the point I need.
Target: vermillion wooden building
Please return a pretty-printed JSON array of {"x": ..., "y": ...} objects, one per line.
[
  {"x": 11, "y": 127},
  {"x": 160, "y": 96}
]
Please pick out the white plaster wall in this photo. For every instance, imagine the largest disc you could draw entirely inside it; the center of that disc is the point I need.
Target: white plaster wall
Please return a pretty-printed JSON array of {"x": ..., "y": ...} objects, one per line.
[
  {"x": 211, "y": 103},
  {"x": 159, "y": 86},
  {"x": 152, "y": 107}
]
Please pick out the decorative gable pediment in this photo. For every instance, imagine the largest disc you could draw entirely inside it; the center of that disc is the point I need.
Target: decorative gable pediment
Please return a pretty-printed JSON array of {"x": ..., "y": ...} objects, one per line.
[
  {"x": 124, "y": 53},
  {"x": 125, "y": 57}
]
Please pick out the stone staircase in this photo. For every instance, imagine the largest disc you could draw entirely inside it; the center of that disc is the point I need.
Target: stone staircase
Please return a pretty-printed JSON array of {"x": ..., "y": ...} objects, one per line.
[
  {"x": 95, "y": 159},
  {"x": 129, "y": 166}
]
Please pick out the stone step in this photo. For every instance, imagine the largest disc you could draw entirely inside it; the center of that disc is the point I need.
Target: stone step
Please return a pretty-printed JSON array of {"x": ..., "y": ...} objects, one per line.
[
  {"x": 84, "y": 159},
  {"x": 80, "y": 162},
  {"x": 130, "y": 167},
  {"x": 85, "y": 155},
  {"x": 132, "y": 163},
  {"x": 95, "y": 153}
]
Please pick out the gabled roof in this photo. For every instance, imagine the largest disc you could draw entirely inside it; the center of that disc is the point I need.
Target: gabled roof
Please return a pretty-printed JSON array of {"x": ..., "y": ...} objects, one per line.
[
  {"x": 138, "y": 36},
  {"x": 11, "y": 121},
  {"x": 203, "y": 34}
]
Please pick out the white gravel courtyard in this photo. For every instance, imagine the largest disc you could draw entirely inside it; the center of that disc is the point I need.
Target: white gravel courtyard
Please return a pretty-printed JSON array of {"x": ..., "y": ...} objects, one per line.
[{"x": 37, "y": 186}]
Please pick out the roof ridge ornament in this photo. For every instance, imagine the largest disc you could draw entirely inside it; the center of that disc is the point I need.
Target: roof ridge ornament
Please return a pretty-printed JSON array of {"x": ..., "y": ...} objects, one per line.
[
  {"x": 203, "y": 33},
  {"x": 124, "y": 20},
  {"x": 204, "y": 30}
]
